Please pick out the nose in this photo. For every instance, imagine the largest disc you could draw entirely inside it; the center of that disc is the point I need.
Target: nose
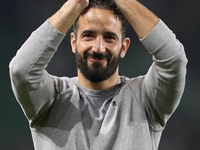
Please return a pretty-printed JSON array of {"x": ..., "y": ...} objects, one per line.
[{"x": 98, "y": 45}]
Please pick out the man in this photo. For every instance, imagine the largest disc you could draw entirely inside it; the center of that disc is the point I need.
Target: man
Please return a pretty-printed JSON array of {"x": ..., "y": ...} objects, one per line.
[{"x": 99, "y": 110}]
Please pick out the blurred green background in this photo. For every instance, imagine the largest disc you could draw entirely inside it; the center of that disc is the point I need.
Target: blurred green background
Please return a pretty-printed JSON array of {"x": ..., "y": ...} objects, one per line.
[{"x": 18, "y": 18}]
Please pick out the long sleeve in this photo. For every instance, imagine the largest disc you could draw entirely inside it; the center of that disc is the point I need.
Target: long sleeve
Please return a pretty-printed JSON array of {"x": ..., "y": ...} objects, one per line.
[
  {"x": 165, "y": 81},
  {"x": 32, "y": 85}
]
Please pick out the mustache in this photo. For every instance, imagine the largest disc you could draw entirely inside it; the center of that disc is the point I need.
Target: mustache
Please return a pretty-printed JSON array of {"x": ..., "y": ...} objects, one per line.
[{"x": 96, "y": 56}]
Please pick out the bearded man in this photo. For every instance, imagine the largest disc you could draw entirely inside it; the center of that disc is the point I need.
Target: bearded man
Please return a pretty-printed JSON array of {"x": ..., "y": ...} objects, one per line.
[{"x": 99, "y": 109}]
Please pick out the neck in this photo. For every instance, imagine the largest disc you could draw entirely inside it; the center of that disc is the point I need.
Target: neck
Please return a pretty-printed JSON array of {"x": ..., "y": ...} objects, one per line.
[{"x": 104, "y": 85}]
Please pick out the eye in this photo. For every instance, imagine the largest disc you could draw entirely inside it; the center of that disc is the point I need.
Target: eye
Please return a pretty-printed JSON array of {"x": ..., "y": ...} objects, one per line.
[
  {"x": 88, "y": 36},
  {"x": 110, "y": 38}
]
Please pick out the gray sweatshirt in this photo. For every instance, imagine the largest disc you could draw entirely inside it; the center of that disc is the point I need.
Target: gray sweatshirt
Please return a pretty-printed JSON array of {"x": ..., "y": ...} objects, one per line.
[{"x": 131, "y": 115}]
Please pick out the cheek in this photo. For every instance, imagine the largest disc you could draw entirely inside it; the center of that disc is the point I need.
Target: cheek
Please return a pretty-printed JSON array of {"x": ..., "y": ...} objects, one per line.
[
  {"x": 84, "y": 46},
  {"x": 81, "y": 48},
  {"x": 116, "y": 50}
]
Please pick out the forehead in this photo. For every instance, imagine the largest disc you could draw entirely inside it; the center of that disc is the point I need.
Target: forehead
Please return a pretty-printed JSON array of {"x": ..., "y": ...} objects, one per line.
[{"x": 99, "y": 20}]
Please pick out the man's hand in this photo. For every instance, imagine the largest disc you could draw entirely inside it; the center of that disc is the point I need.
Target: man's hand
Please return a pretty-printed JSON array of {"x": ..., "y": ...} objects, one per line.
[{"x": 64, "y": 18}]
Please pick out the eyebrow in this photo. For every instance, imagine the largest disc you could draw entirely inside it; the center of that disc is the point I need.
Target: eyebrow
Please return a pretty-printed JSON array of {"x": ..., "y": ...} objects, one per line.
[
  {"x": 87, "y": 32},
  {"x": 105, "y": 33}
]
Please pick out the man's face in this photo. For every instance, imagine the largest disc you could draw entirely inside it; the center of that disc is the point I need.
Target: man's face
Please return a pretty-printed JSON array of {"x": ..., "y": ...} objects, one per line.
[{"x": 98, "y": 44}]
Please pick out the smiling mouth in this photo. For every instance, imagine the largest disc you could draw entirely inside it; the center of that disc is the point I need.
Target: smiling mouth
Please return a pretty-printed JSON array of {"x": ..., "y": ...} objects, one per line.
[{"x": 97, "y": 60}]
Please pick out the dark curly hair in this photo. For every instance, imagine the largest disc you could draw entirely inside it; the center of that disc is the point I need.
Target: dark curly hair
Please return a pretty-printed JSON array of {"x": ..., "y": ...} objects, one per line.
[{"x": 104, "y": 4}]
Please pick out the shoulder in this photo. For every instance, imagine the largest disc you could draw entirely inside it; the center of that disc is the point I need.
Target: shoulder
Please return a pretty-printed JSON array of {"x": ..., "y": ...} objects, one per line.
[
  {"x": 134, "y": 80},
  {"x": 132, "y": 84},
  {"x": 63, "y": 84}
]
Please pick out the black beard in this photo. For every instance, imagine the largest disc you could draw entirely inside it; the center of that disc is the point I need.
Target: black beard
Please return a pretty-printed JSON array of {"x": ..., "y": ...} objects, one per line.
[{"x": 97, "y": 73}]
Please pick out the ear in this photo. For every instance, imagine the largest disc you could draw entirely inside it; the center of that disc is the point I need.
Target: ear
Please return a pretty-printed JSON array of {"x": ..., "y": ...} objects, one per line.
[
  {"x": 73, "y": 42},
  {"x": 125, "y": 46}
]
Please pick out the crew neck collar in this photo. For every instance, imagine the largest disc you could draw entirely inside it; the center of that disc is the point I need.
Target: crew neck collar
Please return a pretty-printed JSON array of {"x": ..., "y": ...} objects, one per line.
[{"x": 98, "y": 93}]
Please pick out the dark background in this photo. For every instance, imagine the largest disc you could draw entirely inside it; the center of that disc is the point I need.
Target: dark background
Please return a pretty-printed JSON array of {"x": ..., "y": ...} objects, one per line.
[{"x": 18, "y": 18}]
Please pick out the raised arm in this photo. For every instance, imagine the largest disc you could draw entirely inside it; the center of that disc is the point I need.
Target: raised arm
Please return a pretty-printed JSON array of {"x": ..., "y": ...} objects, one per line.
[
  {"x": 141, "y": 18},
  {"x": 33, "y": 87},
  {"x": 163, "y": 85}
]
